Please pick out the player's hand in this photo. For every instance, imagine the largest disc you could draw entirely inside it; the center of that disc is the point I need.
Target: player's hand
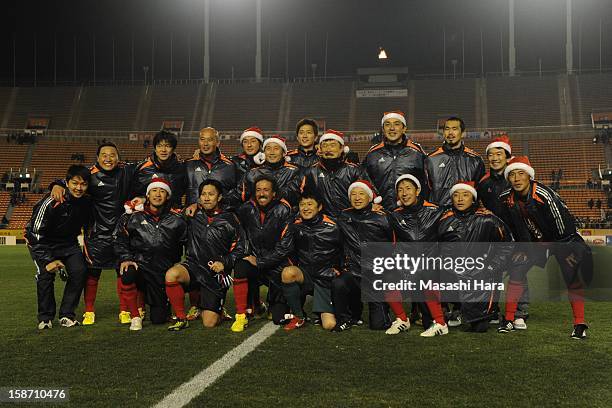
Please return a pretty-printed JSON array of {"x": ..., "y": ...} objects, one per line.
[
  {"x": 216, "y": 267},
  {"x": 137, "y": 201},
  {"x": 190, "y": 210},
  {"x": 519, "y": 257},
  {"x": 377, "y": 207},
  {"x": 196, "y": 154},
  {"x": 52, "y": 267},
  {"x": 125, "y": 265},
  {"x": 57, "y": 193},
  {"x": 251, "y": 259}
]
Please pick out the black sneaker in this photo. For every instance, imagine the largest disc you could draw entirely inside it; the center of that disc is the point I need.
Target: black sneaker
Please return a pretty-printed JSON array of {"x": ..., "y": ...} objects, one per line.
[
  {"x": 506, "y": 326},
  {"x": 356, "y": 322},
  {"x": 340, "y": 327},
  {"x": 579, "y": 332}
]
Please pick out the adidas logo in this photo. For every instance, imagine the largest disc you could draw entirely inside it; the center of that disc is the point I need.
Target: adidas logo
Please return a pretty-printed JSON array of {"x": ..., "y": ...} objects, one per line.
[
  {"x": 403, "y": 223},
  {"x": 381, "y": 160},
  {"x": 100, "y": 184},
  {"x": 450, "y": 229},
  {"x": 144, "y": 222},
  {"x": 154, "y": 176},
  {"x": 198, "y": 169},
  {"x": 322, "y": 175},
  {"x": 442, "y": 165}
]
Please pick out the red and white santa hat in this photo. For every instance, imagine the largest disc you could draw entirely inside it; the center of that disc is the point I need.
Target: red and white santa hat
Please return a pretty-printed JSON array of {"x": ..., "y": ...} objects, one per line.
[
  {"x": 519, "y": 163},
  {"x": 252, "y": 132},
  {"x": 331, "y": 134},
  {"x": 159, "y": 182},
  {"x": 368, "y": 188},
  {"x": 394, "y": 115},
  {"x": 503, "y": 142},
  {"x": 465, "y": 185}
]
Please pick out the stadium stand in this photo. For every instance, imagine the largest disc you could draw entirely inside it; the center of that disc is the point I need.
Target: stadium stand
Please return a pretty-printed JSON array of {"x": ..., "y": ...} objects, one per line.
[
  {"x": 239, "y": 106},
  {"x": 323, "y": 101},
  {"x": 109, "y": 108},
  {"x": 171, "y": 102},
  {"x": 11, "y": 156},
  {"x": 23, "y": 212},
  {"x": 55, "y": 103},
  {"x": 438, "y": 98}
]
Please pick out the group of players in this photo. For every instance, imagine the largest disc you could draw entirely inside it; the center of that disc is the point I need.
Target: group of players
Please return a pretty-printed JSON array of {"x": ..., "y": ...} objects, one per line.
[{"x": 293, "y": 221}]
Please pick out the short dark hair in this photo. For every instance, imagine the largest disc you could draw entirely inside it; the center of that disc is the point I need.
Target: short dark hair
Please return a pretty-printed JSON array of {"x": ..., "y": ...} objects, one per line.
[
  {"x": 76, "y": 170},
  {"x": 307, "y": 121},
  {"x": 267, "y": 177},
  {"x": 310, "y": 195},
  {"x": 106, "y": 144},
  {"x": 457, "y": 119},
  {"x": 211, "y": 182},
  {"x": 165, "y": 136}
]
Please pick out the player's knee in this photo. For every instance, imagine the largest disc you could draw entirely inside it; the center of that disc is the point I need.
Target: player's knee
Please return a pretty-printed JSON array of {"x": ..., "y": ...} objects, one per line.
[
  {"x": 328, "y": 324},
  {"x": 289, "y": 274},
  {"x": 172, "y": 275},
  {"x": 210, "y": 319}
]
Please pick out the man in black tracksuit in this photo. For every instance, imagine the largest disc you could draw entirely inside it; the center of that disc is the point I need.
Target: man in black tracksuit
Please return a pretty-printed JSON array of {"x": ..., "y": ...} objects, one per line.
[
  {"x": 452, "y": 162},
  {"x": 316, "y": 261},
  {"x": 416, "y": 220},
  {"x": 330, "y": 178},
  {"x": 51, "y": 236},
  {"x": 212, "y": 164},
  {"x": 147, "y": 244},
  {"x": 306, "y": 132},
  {"x": 164, "y": 164},
  {"x": 359, "y": 224},
  {"x": 489, "y": 189},
  {"x": 536, "y": 213},
  {"x": 288, "y": 176},
  {"x": 110, "y": 186},
  {"x": 250, "y": 140},
  {"x": 468, "y": 223},
  {"x": 265, "y": 220},
  {"x": 214, "y": 242},
  {"x": 394, "y": 156}
]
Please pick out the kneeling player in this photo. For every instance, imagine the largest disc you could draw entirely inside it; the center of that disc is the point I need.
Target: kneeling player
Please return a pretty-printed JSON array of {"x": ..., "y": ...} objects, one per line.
[
  {"x": 317, "y": 252},
  {"x": 51, "y": 235},
  {"x": 213, "y": 244},
  {"x": 147, "y": 243}
]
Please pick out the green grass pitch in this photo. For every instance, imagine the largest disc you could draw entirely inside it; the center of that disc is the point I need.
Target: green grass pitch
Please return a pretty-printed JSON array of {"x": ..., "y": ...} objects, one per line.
[{"x": 107, "y": 366}]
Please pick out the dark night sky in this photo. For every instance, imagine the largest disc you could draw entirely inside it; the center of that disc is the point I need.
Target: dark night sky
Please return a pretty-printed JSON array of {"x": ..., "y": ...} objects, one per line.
[{"x": 410, "y": 30}]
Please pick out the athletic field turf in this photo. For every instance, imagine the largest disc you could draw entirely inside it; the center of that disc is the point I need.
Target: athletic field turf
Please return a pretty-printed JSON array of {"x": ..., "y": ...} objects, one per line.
[{"x": 106, "y": 365}]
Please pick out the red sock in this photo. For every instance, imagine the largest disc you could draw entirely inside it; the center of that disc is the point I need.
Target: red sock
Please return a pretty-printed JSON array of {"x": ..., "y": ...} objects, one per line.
[
  {"x": 194, "y": 298},
  {"x": 241, "y": 289},
  {"x": 140, "y": 300},
  {"x": 576, "y": 298},
  {"x": 176, "y": 295},
  {"x": 89, "y": 294},
  {"x": 398, "y": 309},
  {"x": 122, "y": 304},
  {"x": 130, "y": 295},
  {"x": 435, "y": 308},
  {"x": 513, "y": 294}
]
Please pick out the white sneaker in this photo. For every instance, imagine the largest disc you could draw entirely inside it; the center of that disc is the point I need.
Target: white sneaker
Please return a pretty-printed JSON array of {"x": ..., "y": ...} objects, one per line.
[
  {"x": 136, "y": 323},
  {"x": 519, "y": 324},
  {"x": 436, "y": 329},
  {"x": 398, "y": 326},
  {"x": 455, "y": 322},
  {"x": 45, "y": 325},
  {"x": 67, "y": 322}
]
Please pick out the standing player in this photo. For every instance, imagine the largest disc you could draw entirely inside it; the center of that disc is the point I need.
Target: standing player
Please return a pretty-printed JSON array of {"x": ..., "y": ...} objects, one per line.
[
  {"x": 535, "y": 213},
  {"x": 51, "y": 236},
  {"x": 110, "y": 186},
  {"x": 394, "y": 156},
  {"x": 416, "y": 220},
  {"x": 214, "y": 243},
  {"x": 265, "y": 219},
  {"x": 331, "y": 177},
  {"x": 306, "y": 132},
  {"x": 147, "y": 243},
  {"x": 317, "y": 256},
  {"x": 163, "y": 164},
  {"x": 359, "y": 224},
  {"x": 468, "y": 223},
  {"x": 499, "y": 151},
  {"x": 250, "y": 140},
  {"x": 452, "y": 162}
]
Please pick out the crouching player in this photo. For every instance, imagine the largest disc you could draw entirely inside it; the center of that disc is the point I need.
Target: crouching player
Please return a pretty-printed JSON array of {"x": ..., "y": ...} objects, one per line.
[
  {"x": 317, "y": 252},
  {"x": 147, "y": 243},
  {"x": 51, "y": 235},
  {"x": 214, "y": 242}
]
